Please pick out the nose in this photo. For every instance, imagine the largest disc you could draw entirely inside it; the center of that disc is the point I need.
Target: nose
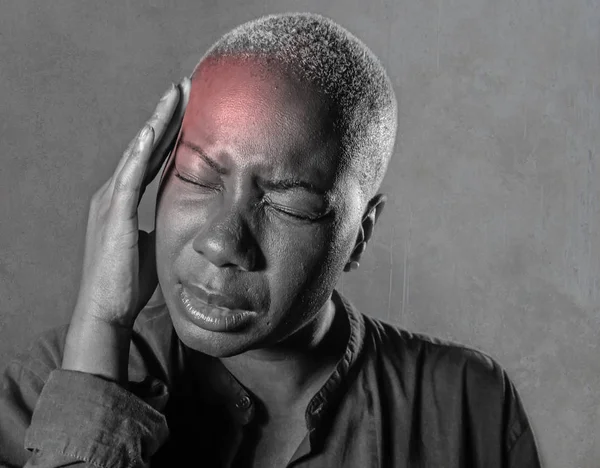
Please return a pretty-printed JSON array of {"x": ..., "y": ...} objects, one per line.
[{"x": 227, "y": 241}]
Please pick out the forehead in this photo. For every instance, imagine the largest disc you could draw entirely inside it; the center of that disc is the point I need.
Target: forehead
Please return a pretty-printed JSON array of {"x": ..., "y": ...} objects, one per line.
[{"x": 243, "y": 111}]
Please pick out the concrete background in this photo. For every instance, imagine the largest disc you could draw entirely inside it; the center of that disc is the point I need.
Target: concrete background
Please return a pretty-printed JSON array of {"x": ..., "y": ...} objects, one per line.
[{"x": 490, "y": 237}]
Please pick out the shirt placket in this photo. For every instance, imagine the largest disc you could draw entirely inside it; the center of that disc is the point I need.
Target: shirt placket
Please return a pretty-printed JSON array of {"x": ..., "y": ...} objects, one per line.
[{"x": 242, "y": 409}]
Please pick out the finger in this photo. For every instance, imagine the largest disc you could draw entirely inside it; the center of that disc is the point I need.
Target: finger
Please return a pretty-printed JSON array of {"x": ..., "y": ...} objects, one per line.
[
  {"x": 186, "y": 87},
  {"x": 164, "y": 147},
  {"x": 130, "y": 148},
  {"x": 164, "y": 110},
  {"x": 128, "y": 183},
  {"x": 163, "y": 113}
]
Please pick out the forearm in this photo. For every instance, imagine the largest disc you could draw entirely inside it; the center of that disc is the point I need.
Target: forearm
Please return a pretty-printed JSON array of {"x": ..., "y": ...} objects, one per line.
[{"x": 98, "y": 348}]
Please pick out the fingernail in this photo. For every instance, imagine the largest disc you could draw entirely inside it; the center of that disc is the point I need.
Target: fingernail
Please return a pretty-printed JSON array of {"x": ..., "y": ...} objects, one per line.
[
  {"x": 145, "y": 133},
  {"x": 168, "y": 92}
]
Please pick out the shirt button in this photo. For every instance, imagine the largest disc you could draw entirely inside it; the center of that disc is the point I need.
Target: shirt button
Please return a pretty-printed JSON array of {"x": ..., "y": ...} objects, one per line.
[{"x": 243, "y": 403}]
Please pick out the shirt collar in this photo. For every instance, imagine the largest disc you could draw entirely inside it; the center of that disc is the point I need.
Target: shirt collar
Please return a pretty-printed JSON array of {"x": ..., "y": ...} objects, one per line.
[
  {"x": 217, "y": 385},
  {"x": 322, "y": 407}
]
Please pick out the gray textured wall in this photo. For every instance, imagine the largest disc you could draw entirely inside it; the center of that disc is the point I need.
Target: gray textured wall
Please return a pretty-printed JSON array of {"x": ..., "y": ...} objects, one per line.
[{"x": 491, "y": 236}]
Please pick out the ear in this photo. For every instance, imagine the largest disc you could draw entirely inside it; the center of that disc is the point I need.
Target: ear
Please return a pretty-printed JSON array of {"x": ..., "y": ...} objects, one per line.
[{"x": 372, "y": 213}]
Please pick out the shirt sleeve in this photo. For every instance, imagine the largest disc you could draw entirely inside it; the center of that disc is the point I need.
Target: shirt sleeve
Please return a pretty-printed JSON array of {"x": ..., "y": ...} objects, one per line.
[
  {"x": 19, "y": 390},
  {"x": 521, "y": 446},
  {"x": 86, "y": 418},
  {"x": 524, "y": 453},
  {"x": 77, "y": 419}
]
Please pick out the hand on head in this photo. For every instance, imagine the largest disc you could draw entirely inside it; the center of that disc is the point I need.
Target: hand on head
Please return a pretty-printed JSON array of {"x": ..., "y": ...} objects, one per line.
[{"x": 119, "y": 273}]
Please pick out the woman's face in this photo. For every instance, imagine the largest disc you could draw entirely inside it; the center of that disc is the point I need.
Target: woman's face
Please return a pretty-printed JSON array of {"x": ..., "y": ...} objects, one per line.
[{"x": 255, "y": 207}]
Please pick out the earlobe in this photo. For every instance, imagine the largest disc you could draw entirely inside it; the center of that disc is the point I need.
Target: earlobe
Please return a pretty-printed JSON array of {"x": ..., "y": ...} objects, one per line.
[{"x": 353, "y": 263}]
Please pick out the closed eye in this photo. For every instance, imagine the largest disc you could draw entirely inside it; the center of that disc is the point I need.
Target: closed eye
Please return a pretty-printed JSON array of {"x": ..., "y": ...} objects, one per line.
[
  {"x": 289, "y": 213},
  {"x": 196, "y": 182},
  {"x": 281, "y": 210},
  {"x": 292, "y": 215}
]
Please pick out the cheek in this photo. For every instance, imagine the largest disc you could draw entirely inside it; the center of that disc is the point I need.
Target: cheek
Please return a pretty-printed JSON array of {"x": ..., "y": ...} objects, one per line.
[
  {"x": 307, "y": 263},
  {"x": 166, "y": 212},
  {"x": 175, "y": 208},
  {"x": 174, "y": 223}
]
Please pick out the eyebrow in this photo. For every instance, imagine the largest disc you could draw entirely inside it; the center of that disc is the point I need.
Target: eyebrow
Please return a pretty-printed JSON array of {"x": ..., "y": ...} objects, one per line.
[
  {"x": 271, "y": 185},
  {"x": 290, "y": 184},
  {"x": 196, "y": 149}
]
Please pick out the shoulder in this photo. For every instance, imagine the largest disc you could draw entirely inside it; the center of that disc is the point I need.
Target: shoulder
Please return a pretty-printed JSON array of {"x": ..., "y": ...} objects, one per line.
[
  {"x": 394, "y": 342},
  {"x": 151, "y": 338},
  {"x": 444, "y": 364},
  {"x": 42, "y": 355},
  {"x": 446, "y": 372},
  {"x": 21, "y": 383},
  {"x": 28, "y": 370}
]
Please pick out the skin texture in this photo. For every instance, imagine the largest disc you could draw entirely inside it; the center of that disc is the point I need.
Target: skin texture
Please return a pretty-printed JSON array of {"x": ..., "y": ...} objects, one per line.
[
  {"x": 239, "y": 237},
  {"x": 236, "y": 236},
  {"x": 119, "y": 273},
  {"x": 279, "y": 248}
]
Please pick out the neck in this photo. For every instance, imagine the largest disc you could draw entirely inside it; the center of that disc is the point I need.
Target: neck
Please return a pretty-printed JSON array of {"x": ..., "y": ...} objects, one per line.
[{"x": 286, "y": 376}]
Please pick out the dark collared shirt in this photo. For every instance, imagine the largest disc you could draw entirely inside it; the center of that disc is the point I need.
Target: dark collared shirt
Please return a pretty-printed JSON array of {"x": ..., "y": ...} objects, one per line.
[{"x": 395, "y": 399}]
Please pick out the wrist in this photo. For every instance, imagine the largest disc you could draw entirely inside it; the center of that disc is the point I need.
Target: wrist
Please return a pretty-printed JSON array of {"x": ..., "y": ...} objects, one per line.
[{"x": 97, "y": 347}]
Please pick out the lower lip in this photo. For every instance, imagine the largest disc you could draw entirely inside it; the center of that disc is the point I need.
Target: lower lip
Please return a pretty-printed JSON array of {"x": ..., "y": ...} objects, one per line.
[{"x": 213, "y": 318}]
